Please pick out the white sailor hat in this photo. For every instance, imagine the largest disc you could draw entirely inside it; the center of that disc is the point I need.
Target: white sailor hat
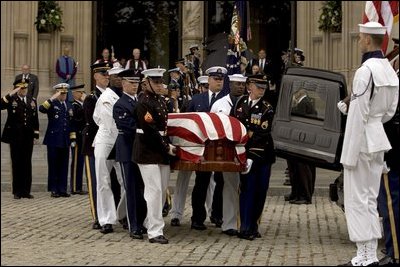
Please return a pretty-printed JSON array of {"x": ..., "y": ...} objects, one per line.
[
  {"x": 237, "y": 78},
  {"x": 216, "y": 71},
  {"x": 153, "y": 73},
  {"x": 372, "y": 27},
  {"x": 173, "y": 70},
  {"x": 203, "y": 79},
  {"x": 62, "y": 87},
  {"x": 194, "y": 46},
  {"x": 115, "y": 70}
]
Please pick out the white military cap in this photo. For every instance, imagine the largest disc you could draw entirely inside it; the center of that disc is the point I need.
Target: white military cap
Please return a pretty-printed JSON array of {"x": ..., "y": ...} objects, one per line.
[
  {"x": 174, "y": 69},
  {"x": 193, "y": 46},
  {"x": 237, "y": 78},
  {"x": 153, "y": 73},
  {"x": 298, "y": 50},
  {"x": 372, "y": 27},
  {"x": 203, "y": 79},
  {"x": 63, "y": 87},
  {"x": 216, "y": 71},
  {"x": 115, "y": 70}
]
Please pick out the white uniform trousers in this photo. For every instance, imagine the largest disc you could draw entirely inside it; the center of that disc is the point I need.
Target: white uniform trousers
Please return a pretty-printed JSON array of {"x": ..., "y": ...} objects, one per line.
[
  {"x": 210, "y": 195},
  {"x": 106, "y": 212},
  {"x": 155, "y": 179},
  {"x": 361, "y": 189},
  {"x": 230, "y": 201},
  {"x": 180, "y": 192}
]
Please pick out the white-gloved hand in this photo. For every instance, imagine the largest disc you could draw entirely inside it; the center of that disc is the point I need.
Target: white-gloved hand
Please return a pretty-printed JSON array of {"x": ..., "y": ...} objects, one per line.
[
  {"x": 249, "y": 162},
  {"x": 73, "y": 144},
  {"x": 385, "y": 169},
  {"x": 342, "y": 107},
  {"x": 172, "y": 150}
]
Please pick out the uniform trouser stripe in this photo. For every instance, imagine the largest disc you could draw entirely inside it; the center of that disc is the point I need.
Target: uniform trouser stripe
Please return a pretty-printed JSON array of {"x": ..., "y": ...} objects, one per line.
[
  {"x": 75, "y": 158},
  {"x": 391, "y": 216},
  {"x": 89, "y": 182}
]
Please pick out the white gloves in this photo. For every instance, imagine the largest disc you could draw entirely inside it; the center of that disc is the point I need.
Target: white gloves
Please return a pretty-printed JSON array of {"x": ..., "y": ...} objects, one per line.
[
  {"x": 73, "y": 144},
  {"x": 342, "y": 107},
  {"x": 172, "y": 150},
  {"x": 385, "y": 169},
  {"x": 249, "y": 162}
]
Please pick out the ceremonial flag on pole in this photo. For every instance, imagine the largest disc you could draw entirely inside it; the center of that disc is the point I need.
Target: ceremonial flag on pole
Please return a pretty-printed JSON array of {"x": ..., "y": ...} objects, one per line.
[
  {"x": 384, "y": 12},
  {"x": 240, "y": 34}
]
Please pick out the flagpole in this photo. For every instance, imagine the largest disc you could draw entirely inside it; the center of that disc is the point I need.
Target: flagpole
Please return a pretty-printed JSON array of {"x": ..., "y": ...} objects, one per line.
[{"x": 292, "y": 31}]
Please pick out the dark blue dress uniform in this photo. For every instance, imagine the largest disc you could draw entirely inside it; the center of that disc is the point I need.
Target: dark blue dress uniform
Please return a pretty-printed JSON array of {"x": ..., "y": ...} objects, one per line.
[
  {"x": 201, "y": 103},
  {"x": 126, "y": 124},
  {"x": 259, "y": 148},
  {"x": 88, "y": 134},
  {"x": 57, "y": 139},
  {"x": 21, "y": 127},
  {"x": 77, "y": 162},
  {"x": 388, "y": 198}
]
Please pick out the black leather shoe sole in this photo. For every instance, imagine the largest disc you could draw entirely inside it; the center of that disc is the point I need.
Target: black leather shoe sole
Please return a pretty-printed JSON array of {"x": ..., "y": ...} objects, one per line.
[
  {"x": 159, "y": 239},
  {"x": 55, "y": 195},
  {"x": 28, "y": 196},
  {"x": 197, "y": 226},
  {"x": 106, "y": 229},
  {"x": 136, "y": 235},
  {"x": 230, "y": 232},
  {"x": 96, "y": 226}
]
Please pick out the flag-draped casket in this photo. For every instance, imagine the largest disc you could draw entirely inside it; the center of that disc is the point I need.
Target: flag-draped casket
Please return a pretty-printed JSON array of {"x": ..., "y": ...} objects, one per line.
[{"x": 207, "y": 141}]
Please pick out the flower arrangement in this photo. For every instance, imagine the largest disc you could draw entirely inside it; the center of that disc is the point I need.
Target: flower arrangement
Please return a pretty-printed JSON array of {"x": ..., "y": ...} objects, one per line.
[
  {"x": 330, "y": 19},
  {"x": 49, "y": 17}
]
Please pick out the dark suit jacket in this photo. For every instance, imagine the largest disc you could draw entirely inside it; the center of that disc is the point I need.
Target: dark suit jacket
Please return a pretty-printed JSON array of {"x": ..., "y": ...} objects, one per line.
[
  {"x": 22, "y": 120},
  {"x": 33, "y": 87},
  {"x": 200, "y": 102}
]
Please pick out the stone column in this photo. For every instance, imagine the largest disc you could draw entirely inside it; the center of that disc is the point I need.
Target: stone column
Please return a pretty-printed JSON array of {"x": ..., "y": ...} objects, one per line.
[
  {"x": 7, "y": 47},
  {"x": 192, "y": 24}
]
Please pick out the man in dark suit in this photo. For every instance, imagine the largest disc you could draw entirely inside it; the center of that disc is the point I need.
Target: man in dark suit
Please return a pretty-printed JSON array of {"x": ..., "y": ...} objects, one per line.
[
  {"x": 123, "y": 115},
  {"x": 20, "y": 131},
  {"x": 78, "y": 123},
  {"x": 101, "y": 78},
  {"x": 203, "y": 103},
  {"x": 33, "y": 84},
  {"x": 57, "y": 138}
]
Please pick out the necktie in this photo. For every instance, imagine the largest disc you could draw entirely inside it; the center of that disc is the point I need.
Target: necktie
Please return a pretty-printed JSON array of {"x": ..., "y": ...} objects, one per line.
[
  {"x": 136, "y": 64},
  {"x": 24, "y": 99},
  {"x": 212, "y": 99},
  {"x": 250, "y": 103},
  {"x": 262, "y": 65}
]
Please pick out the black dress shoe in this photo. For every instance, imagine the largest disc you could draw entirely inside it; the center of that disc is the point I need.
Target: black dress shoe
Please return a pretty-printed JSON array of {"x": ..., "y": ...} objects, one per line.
[
  {"x": 230, "y": 232},
  {"x": 175, "y": 222},
  {"x": 107, "y": 228},
  {"x": 346, "y": 264},
  {"x": 159, "y": 239},
  {"x": 198, "y": 226},
  {"x": 289, "y": 197},
  {"x": 54, "y": 194},
  {"x": 143, "y": 230},
  {"x": 246, "y": 236},
  {"x": 28, "y": 196},
  {"x": 136, "y": 234},
  {"x": 17, "y": 197},
  {"x": 257, "y": 235},
  {"x": 387, "y": 261},
  {"x": 64, "y": 194},
  {"x": 79, "y": 192},
  {"x": 96, "y": 225},
  {"x": 299, "y": 202},
  {"x": 124, "y": 223},
  {"x": 217, "y": 222}
]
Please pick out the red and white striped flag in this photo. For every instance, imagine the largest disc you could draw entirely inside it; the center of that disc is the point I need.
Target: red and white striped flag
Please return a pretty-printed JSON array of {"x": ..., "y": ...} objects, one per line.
[
  {"x": 384, "y": 12},
  {"x": 189, "y": 132}
]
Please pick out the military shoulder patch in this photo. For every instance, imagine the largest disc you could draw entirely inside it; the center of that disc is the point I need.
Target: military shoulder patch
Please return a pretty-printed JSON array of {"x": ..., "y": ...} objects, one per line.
[{"x": 148, "y": 118}]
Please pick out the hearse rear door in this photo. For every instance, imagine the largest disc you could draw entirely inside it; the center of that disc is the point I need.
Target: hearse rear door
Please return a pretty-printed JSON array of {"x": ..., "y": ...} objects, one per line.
[{"x": 307, "y": 123}]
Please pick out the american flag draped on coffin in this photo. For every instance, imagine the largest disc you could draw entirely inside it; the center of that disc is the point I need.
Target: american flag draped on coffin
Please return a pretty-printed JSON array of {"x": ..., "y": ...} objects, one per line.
[{"x": 207, "y": 141}]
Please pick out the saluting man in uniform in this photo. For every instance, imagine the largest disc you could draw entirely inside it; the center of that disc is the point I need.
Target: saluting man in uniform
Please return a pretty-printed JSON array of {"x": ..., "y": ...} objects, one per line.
[
  {"x": 151, "y": 151},
  {"x": 126, "y": 124},
  {"x": 78, "y": 123},
  {"x": 373, "y": 102},
  {"x": 101, "y": 78},
  {"x": 104, "y": 143},
  {"x": 230, "y": 195},
  {"x": 58, "y": 139},
  {"x": 20, "y": 131},
  {"x": 256, "y": 114}
]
